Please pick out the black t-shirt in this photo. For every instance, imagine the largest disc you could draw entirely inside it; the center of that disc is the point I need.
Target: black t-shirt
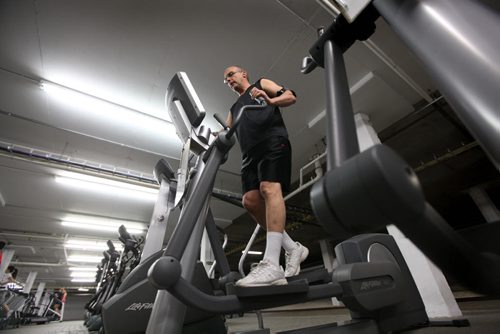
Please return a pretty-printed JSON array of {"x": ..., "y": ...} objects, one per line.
[
  {"x": 256, "y": 125},
  {"x": 57, "y": 297}
]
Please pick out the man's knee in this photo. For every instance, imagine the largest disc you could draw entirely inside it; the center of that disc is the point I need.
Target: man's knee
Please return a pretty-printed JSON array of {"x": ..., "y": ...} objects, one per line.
[
  {"x": 270, "y": 189},
  {"x": 252, "y": 200}
]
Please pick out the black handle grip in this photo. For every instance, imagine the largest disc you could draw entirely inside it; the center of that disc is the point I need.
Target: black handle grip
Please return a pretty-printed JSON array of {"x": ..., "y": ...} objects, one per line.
[
  {"x": 110, "y": 245},
  {"x": 221, "y": 121},
  {"x": 308, "y": 65},
  {"x": 260, "y": 100},
  {"x": 122, "y": 230}
]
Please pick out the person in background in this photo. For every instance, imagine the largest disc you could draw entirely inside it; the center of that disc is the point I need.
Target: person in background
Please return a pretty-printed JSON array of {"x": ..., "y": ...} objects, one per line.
[
  {"x": 9, "y": 282},
  {"x": 10, "y": 276},
  {"x": 59, "y": 301},
  {"x": 266, "y": 171},
  {"x": 2, "y": 245}
]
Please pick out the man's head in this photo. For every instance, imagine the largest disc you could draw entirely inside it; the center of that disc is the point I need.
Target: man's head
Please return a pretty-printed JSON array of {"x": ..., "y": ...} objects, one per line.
[
  {"x": 12, "y": 270},
  {"x": 236, "y": 78}
]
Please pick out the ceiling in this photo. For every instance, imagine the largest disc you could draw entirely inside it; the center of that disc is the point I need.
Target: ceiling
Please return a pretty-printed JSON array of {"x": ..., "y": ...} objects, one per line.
[{"x": 125, "y": 52}]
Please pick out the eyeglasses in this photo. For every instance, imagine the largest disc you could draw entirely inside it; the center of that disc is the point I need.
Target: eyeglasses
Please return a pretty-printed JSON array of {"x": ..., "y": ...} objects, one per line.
[{"x": 230, "y": 75}]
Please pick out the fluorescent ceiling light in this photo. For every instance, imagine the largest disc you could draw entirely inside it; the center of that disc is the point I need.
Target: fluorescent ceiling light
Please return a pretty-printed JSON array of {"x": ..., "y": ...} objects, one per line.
[
  {"x": 92, "y": 102},
  {"x": 82, "y": 280},
  {"x": 103, "y": 225},
  {"x": 82, "y": 274},
  {"x": 106, "y": 186},
  {"x": 94, "y": 269},
  {"x": 83, "y": 289},
  {"x": 93, "y": 111},
  {"x": 100, "y": 228},
  {"x": 84, "y": 258},
  {"x": 90, "y": 245},
  {"x": 109, "y": 182}
]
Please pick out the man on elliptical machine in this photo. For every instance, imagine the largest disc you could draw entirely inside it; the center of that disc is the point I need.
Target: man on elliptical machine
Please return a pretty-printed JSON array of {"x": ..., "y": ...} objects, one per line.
[{"x": 265, "y": 172}]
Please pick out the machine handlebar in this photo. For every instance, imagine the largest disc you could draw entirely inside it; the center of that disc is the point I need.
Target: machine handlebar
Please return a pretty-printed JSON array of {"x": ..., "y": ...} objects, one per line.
[
  {"x": 261, "y": 106},
  {"x": 221, "y": 121},
  {"x": 308, "y": 65}
]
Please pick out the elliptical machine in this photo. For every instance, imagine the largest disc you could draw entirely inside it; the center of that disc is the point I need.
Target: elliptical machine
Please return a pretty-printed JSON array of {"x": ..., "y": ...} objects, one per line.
[
  {"x": 380, "y": 181},
  {"x": 372, "y": 279},
  {"x": 133, "y": 301},
  {"x": 120, "y": 268}
]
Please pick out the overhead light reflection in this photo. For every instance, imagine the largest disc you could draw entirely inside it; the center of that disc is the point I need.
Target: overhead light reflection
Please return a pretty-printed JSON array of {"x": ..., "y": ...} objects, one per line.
[{"x": 253, "y": 252}]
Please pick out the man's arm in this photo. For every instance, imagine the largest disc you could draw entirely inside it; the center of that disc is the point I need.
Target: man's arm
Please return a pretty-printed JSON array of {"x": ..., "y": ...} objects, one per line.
[{"x": 270, "y": 91}]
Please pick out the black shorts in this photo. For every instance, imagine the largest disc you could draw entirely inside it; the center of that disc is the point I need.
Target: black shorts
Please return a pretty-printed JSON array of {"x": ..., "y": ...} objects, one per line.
[{"x": 270, "y": 160}]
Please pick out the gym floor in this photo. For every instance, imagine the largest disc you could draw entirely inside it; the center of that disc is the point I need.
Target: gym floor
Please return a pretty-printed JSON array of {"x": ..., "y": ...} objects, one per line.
[{"x": 484, "y": 317}]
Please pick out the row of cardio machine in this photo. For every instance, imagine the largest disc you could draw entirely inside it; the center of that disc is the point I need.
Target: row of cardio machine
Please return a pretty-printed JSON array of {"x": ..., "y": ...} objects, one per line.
[
  {"x": 11, "y": 300},
  {"x": 170, "y": 292},
  {"x": 19, "y": 308},
  {"x": 113, "y": 269}
]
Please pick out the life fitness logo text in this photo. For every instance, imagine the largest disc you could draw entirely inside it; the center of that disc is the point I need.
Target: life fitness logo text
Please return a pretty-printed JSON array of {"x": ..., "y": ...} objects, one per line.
[{"x": 139, "y": 306}]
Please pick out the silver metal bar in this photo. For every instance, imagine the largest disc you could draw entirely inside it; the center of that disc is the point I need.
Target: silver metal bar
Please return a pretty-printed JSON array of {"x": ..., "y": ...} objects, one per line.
[
  {"x": 457, "y": 41},
  {"x": 341, "y": 139}
]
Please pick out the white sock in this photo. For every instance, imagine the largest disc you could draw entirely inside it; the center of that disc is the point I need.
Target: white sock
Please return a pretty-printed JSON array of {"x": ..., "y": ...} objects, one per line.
[
  {"x": 273, "y": 247},
  {"x": 288, "y": 244}
]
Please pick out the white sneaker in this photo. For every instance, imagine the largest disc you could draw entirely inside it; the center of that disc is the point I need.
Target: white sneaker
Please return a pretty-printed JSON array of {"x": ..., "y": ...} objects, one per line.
[
  {"x": 265, "y": 273},
  {"x": 294, "y": 258}
]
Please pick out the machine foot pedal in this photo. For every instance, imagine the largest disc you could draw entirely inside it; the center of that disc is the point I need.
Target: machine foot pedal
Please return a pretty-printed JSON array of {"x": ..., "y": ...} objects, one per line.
[
  {"x": 319, "y": 276},
  {"x": 300, "y": 286}
]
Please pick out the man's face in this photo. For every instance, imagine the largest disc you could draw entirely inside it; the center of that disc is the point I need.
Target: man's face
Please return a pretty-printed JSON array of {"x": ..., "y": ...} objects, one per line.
[{"x": 233, "y": 77}]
